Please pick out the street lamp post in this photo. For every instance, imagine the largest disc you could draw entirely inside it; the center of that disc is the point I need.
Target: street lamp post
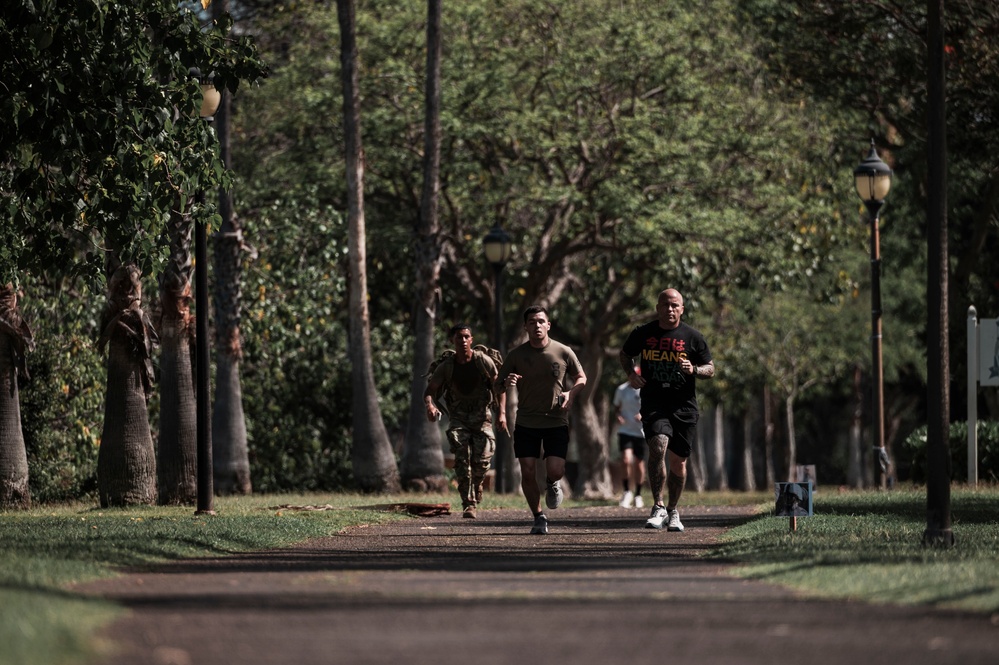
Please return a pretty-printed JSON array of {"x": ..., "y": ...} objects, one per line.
[
  {"x": 498, "y": 247},
  {"x": 873, "y": 180},
  {"x": 211, "y": 98}
]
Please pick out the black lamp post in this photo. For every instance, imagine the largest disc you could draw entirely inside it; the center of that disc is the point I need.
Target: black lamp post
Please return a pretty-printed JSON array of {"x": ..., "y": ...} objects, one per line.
[
  {"x": 873, "y": 180},
  {"x": 211, "y": 98},
  {"x": 498, "y": 247}
]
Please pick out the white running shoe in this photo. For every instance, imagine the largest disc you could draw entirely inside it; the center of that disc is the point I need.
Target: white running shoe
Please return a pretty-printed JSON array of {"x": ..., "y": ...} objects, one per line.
[
  {"x": 638, "y": 502},
  {"x": 674, "y": 521},
  {"x": 540, "y": 527},
  {"x": 628, "y": 500},
  {"x": 657, "y": 518}
]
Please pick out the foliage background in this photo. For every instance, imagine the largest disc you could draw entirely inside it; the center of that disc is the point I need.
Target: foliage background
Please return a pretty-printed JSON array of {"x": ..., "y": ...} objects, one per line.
[{"x": 732, "y": 182}]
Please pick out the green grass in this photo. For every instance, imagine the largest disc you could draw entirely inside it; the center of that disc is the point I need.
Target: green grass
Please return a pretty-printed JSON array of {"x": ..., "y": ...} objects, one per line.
[
  {"x": 859, "y": 545},
  {"x": 45, "y": 550},
  {"x": 868, "y": 546}
]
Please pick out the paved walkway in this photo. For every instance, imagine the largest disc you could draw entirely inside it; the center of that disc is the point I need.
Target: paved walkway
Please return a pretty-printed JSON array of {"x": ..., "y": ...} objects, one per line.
[{"x": 599, "y": 589}]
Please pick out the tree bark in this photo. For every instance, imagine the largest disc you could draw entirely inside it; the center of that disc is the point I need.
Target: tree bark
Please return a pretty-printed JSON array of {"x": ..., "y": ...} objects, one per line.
[
  {"x": 748, "y": 480},
  {"x": 126, "y": 462},
  {"x": 230, "y": 450},
  {"x": 791, "y": 454},
  {"x": 230, "y": 459},
  {"x": 15, "y": 340},
  {"x": 594, "y": 453},
  {"x": 855, "y": 457},
  {"x": 590, "y": 433},
  {"x": 717, "y": 477},
  {"x": 373, "y": 459},
  {"x": 769, "y": 430},
  {"x": 176, "y": 452},
  {"x": 422, "y": 466}
]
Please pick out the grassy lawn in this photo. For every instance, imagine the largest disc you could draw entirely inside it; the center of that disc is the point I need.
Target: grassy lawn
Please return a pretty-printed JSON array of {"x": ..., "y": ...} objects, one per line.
[
  {"x": 861, "y": 545},
  {"x": 45, "y": 549},
  {"x": 868, "y": 546}
]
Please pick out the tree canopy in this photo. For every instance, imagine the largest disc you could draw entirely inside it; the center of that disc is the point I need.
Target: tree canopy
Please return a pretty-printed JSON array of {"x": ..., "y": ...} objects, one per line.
[{"x": 100, "y": 137}]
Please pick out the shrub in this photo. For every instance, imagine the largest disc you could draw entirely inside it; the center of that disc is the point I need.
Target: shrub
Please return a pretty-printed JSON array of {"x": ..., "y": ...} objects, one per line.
[
  {"x": 62, "y": 403},
  {"x": 988, "y": 451}
]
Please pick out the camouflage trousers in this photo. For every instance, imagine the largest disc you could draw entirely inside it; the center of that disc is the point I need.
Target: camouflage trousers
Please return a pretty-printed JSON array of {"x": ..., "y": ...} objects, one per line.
[{"x": 473, "y": 451}]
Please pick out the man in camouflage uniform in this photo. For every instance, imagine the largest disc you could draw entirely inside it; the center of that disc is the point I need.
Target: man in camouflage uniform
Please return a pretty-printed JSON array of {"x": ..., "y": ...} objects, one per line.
[{"x": 463, "y": 382}]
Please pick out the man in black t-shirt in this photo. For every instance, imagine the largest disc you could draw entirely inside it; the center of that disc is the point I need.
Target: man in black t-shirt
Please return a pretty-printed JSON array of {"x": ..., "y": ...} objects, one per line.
[{"x": 671, "y": 356}]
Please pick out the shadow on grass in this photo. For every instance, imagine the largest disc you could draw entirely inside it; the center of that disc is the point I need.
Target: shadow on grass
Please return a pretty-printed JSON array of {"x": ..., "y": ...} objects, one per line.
[{"x": 966, "y": 507}]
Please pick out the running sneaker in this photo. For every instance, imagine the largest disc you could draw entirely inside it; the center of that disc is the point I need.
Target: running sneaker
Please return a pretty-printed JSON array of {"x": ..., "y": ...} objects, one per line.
[
  {"x": 638, "y": 502},
  {"x": 674, "y": 521},
  {"x": 540, "y": 525},
  {"x": 657, "y": 518},
  {"x": 628, "y": 500},
  {"x": 553, "y": 497}
]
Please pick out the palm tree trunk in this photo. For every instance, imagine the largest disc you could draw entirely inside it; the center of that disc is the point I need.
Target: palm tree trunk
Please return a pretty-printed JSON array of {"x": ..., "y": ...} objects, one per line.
[
  {"x": 177, "y": 453},
  {"x": 15, "y": 339},
  {"x": 231, "y": 459},
  {"x": 748, "y": 483},
  {"x": 422, "y": 466},
  {"x": 230, "y": 451},
  {"x": 372, "y": 457},
  {"x": 717, "y": 477},
  {"x": 126, "y": 462}
]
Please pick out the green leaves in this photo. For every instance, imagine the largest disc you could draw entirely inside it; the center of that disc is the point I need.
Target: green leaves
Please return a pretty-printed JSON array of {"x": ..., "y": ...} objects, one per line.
[{"x": 90, "y": 146}]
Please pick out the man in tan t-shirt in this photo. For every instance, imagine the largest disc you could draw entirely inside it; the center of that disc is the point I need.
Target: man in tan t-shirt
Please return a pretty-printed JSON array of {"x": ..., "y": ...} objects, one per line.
[{"x": 548, "y": 377}]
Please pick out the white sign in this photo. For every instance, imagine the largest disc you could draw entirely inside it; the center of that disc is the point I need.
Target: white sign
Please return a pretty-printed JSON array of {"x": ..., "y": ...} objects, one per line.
[{"x": 988, "y": 352}]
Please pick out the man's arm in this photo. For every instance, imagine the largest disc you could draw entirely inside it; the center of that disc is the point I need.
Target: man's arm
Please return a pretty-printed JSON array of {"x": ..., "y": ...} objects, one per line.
[
  {"x": 433, "y": 387},
  {"x": 499, "y": 390},
  {"x": 577, "y": 386},
  {"x": 628, "y": 365},
  {"x": 705, "y": 371},
  {"x": 501, "y": 412}
]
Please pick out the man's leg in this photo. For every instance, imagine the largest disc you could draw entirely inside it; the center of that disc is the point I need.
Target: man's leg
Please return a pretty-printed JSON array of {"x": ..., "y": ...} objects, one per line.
[
  {"x": 677, "y": 479},
  {"x": 483, "y": 447},
  {"x": 555, "y": 468},
  {"x": 529, "y": 483},
  {"x": 639, "y": 480},
  {"x": 657, "y": 479},
  {"x": 657, "y": 467},
  {"x": 627, "y": 459},
  {"x": 460, "y": 444}
]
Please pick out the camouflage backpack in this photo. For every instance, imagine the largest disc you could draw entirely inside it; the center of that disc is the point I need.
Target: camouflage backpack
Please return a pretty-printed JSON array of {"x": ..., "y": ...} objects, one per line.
[{"x": 479, "y": 351}]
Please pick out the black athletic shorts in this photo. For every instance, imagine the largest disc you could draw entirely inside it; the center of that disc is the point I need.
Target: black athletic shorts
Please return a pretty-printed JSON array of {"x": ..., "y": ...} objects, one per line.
[
  {"x": 635, "y": 443},
  {"x": 529, "y": 441},
  {"x": 680, "y": 427}
]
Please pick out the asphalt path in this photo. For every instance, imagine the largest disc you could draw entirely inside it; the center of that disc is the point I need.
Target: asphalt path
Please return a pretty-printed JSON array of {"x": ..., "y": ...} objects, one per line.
[{"x": 598, "y": 589}]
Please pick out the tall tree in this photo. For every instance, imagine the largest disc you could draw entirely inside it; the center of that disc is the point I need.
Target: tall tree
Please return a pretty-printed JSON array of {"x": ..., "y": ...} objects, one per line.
[
  {"x": 614, "y": 141},
  {"x": 230, "y": 456},
  {"x": 373, "y": 459},
  {"x": 422, "y": 466},
  {"x": 176, "y": 449},
  {"x": 798, "y": 347},
  {"x": 15, "y": 341},
  {"x": 126, "y": 463},
  {"x": 96, "y": 149},
  {"x": 885, "y": 85},
  {"x": 630, "y": 141}
]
